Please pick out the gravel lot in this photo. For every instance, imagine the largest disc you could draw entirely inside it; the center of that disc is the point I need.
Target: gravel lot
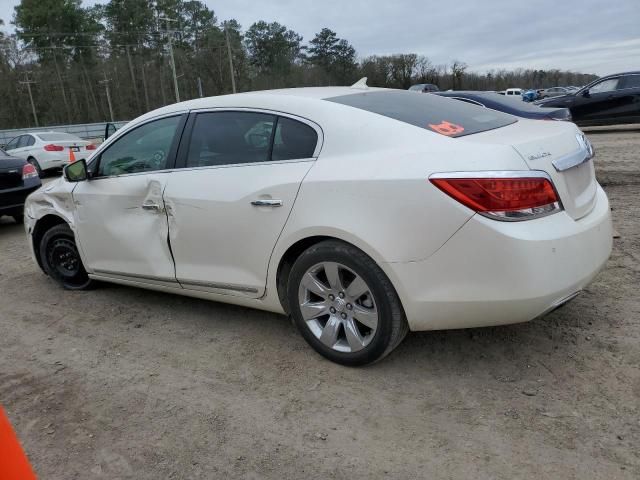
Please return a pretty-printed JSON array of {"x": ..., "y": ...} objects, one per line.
[{"x": 126, "y": 383}]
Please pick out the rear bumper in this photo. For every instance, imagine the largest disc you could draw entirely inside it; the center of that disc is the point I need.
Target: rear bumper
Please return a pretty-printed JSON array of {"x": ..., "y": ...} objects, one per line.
[
  {"x": 493, "y": 273},
  {"x": 49, "y": 160},
  {"x": 12, "y": 200}
]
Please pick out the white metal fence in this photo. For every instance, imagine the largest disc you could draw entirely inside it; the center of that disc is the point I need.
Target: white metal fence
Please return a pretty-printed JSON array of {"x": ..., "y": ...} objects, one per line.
[{"x": 87, "y": 131}]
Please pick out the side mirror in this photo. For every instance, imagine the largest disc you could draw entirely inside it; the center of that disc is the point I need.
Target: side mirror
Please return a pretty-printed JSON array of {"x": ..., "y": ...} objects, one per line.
[
  {"x": 585, "y": 93},
  {"x": 76, "y": 171},
  {"x": 109, "y": 130}
]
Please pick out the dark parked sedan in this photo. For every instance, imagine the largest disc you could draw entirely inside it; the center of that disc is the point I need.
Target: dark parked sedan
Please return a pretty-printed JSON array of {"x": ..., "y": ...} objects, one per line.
[
  {"x": 608, "y": 100},
  {"x": 510, "y": 105},
  {"x": 17, "y": 180}
]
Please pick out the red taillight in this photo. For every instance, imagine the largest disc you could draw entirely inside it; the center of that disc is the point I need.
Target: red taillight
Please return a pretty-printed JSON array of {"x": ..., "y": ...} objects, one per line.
[
  {"x": 53, "y": 148},
  {"x": 29, "y": 171},
  {"x": 506, "y": 198},
  {"x": 91, "y": 146}
]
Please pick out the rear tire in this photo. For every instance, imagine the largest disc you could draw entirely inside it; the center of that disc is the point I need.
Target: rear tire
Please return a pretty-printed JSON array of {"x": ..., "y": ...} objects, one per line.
[
  {"x": 36, "y": 165},
  {"x": 344, "y": 305},
  {"x": 61, "y": 260}
]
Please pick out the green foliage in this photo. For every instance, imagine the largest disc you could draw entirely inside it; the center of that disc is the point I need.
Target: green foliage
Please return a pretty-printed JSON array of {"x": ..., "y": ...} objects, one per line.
[{"x": 272, "y": 48}]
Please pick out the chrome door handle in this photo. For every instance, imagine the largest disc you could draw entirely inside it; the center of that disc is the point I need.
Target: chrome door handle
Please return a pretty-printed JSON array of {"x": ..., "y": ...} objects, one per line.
[
  {"x": 267, "y": 203},
  {"x": 152, "y": 206}
]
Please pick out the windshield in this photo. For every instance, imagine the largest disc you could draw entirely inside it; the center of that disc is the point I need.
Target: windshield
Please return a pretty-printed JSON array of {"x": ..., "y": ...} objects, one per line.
[{"x": 441, "y": 115}]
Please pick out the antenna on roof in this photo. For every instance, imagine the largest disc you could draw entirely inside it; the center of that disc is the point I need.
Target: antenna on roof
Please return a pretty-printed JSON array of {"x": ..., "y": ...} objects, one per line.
[{"x": 361, "y": 84}]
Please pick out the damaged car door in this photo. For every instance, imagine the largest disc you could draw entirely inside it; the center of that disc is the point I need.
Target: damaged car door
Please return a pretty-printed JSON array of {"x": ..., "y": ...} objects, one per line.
[{"x": 120, "y": 215}]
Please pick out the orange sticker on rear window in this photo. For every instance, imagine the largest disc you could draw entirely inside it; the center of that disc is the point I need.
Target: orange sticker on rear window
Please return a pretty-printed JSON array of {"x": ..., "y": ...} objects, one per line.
[{"x": 446, "y": 128}]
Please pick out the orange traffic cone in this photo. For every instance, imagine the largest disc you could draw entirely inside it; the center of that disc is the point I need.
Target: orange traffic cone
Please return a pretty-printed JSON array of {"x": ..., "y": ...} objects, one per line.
[
  {"x": 72, "y": 157},
  {"x": 14, "y": 464}
]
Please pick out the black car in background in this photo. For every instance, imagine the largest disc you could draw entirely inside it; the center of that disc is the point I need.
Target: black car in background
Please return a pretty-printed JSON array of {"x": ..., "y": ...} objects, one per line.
[
  {"x": 606, "y": 101},
  {"x": 18, "y": 178},
  {"x": 514, "y": 106}
]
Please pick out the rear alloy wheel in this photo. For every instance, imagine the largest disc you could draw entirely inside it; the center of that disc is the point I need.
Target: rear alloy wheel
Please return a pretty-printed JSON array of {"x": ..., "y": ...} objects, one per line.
[
  {"x": 344, "y": 305},
  {"x": 61, "y": 260}
]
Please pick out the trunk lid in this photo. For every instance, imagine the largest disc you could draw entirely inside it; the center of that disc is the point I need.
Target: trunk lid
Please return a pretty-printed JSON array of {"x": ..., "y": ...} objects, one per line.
[
  {"x": 556, "y": 148},
  {"x": 10, "y": 172}
]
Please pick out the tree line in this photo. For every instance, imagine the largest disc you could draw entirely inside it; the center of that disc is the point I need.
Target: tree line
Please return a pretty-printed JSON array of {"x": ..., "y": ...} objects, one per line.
[{"x": 67, "y": 63}]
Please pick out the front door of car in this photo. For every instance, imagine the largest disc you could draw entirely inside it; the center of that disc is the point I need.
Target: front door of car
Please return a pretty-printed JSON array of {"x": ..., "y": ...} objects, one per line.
[
  {"x": 229, "y": 202},
  {"x": 18, "y": 145},
  {"x": 12, "y": 145},
  {"x": 120, "y": 217},
  {"x": 598, "y": 103}
]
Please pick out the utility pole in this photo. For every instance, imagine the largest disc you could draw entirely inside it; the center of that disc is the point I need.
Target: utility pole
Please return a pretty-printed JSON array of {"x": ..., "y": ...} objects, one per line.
[
  {"x": 64, "y": 93},
  {"x": 28, "y": 83},
  {"x": 200, "y": 93},
  {"x": 105, "y": 82},
  {"x": 173, "y": 62},
  {"x": 133, "y": 76},
  {"x": 233, "y": 79}
]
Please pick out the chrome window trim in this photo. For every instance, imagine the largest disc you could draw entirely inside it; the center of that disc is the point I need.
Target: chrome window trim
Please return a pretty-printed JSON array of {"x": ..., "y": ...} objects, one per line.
[{"x": 248, "y": 164}]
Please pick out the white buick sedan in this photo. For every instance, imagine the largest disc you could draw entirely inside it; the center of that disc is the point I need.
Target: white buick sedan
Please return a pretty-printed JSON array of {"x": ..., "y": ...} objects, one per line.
[{"x": 363, "y": 213}]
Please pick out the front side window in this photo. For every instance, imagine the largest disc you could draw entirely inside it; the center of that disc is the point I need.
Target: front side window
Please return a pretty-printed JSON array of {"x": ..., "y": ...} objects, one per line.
[
  {"x": 13, "y": 143},
  {"x": 143, "y": 149},
  {"x": 605, "y": 86}
]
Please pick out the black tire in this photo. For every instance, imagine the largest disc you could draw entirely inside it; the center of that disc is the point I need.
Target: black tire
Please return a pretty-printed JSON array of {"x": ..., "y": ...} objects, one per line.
[
  {"x": 35, "y": 163},
  {"x": 392, "y": 324},
  {"x": 61, "y": 260}
]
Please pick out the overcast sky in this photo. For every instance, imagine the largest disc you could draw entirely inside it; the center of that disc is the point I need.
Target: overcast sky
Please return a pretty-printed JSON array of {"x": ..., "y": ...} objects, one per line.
[{"x": 591, "y": 36}]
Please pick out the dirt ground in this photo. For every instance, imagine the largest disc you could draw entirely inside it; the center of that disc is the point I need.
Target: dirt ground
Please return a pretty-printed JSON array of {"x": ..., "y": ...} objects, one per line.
[{"x": 121, "y": 383}]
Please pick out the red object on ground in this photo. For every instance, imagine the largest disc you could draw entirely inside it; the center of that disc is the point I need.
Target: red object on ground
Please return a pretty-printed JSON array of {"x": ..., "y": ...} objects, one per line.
[{"x": 14, "y": 464}]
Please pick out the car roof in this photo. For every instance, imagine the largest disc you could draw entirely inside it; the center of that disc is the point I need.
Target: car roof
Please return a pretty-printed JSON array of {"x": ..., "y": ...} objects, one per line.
[{"x": 289, "y": 100}]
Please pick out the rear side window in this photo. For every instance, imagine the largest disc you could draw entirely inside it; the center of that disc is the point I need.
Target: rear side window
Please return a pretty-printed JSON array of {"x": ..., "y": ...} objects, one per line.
[
  {"x": 441, "y": 115},
  {"x": 630, "y": 81},
  {"x": 24, "y": 141},
  {"x": 293, "y": 140},
  {"x": 228, "y": 138}
]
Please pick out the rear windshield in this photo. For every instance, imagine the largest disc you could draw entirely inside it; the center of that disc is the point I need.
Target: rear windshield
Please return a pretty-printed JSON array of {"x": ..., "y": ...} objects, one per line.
[
  {"x": 441, "y": 115},
  {"x": 48, "y": 137}
]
